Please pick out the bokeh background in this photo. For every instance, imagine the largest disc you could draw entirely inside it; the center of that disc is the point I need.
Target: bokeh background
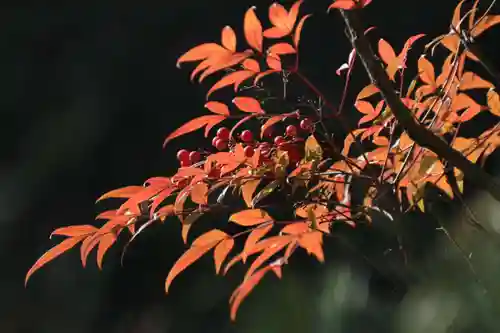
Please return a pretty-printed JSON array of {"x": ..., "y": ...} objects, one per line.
[{"x": 89, "y": 90}]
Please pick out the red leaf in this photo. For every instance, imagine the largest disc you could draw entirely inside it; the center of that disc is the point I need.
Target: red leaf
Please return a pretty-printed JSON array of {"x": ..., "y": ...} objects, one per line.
[
  {"x": 253, "y": 29},
  {"x": 228, "y": 38},
  {"x": 193, "y": 125},
  {"x": 250, "y": 217},
  {"x": 53, "y": 253},
  {"x": 218, "y": 107},
  {"x": 270, "y": 122},
  {"x": 487, "y": 22},
  {"x": 248, "y": 104},
  {"x": 74, "y": 230}
]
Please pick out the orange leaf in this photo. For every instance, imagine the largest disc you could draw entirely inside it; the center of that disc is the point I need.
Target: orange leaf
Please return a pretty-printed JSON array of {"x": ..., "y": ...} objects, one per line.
[
  {"x": 296, "y": 228},
  {"x": 201, "y": 52},
  {"x": 312, "y": 243},
  {"x": 367, "y": 91},
  {"x": 270, "y": 122},
  {"x": 253, "y": 29},
  {"x": 189, "y": 257},
  {"x": 221, "y": 251},
  {"x": 274, "y": 62},
  {"x": 228, "y": 38},
  {"x": 235, "y": 78},
  {"x": 278, "y": 16},
  {"x": 251, "y": 65},
  {"x": 248, "y": 189},
  {"x": 244, "y": 289},
  {"x": 471, "y": 80},
  {"x": 274, "y": 248},
  {"x": 88, "y": 245},
  {"x": 250, "y": 217},
  {"x": 253, "y": 237},
  {"x": 105, "y": 243},
  {"x": 494, "y": 102},
  {"x": 298, "y": 30},
  {"x": 281, "y": 48},
  {"x": 124, "y": 192},
  {"x": 487, "y": 22},
  {"x": 248, "y": 104},
  {"x": 210, "y": 237},
  {"x": 426, "y": 71},
  {"x": 53, "y": 253},
  {"x": 349, "y": 4},
  {"x": 74, "y": 230},
  {"x": 193, "y": 125},
  {"x": 218, "y": 107},
  {"x": 275, "y": 32},
  {"x": 199, "y": 193},
  {"x": 386, "y": 52}
]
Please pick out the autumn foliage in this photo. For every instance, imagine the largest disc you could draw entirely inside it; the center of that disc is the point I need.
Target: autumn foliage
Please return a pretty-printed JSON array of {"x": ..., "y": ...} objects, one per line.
[{"x": 292, "y": 159}]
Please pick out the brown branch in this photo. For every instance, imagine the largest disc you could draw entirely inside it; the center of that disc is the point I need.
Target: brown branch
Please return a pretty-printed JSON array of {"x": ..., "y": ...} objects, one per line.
[{"x": 418, "y": 133}]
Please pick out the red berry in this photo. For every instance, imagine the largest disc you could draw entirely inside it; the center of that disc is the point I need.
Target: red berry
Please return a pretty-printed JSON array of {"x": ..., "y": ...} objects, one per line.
[
  {"x": 214, "y": 140},
  {"x": 291, "y": 130},
  {"x": 248, "y": 151},
  {"x": 194, "y": 157},
  {"x": 246, "y": 136},
  {"x": 306, "y": 124},
  {"x": 223, "y": 133},
  {"x": 220, "y": 144},
  {"x": 183, "y": 155},
  {"x": 185, "y": 163},
  {"x": 279, "y": 140}
]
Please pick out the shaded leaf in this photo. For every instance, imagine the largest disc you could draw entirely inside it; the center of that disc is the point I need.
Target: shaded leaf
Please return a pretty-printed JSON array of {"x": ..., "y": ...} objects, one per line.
[{"x": 494, "y": 102}]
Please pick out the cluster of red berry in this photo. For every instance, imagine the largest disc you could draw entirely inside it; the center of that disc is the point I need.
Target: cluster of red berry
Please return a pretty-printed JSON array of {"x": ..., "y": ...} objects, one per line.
[
  {"x": 287, "y": 142},
  {"x": 187, "y": 158}
]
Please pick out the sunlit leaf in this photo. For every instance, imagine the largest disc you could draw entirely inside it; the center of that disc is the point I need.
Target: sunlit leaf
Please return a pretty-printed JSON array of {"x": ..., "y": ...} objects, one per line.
[
  {"x": 250, "y": 217},
  {"x": 253, "y": 30},
  {"x": 74, "y": 230},
  {"x": 53, "y": 253},
  {"x": 471, "y": 80},
  {"x": 254, "y": 237},
  {"x": 228, "y": 38},
  {"x": 248, "y": 190},
  {"x": 494, "y": 102},
  {"x": 124, "y": 192},
  {"x": 193, "y": 125},
  {"x": 221, "y": 251},
  {"x": 248, "y": 104}
]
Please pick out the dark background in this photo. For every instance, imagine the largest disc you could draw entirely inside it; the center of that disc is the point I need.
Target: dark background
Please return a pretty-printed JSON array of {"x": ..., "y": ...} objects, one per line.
[{"x": 89, "y": 90}]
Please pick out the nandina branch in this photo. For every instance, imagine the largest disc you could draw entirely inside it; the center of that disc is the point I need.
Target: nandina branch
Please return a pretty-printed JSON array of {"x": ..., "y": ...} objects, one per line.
[{"x": 418, "y": 133}]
